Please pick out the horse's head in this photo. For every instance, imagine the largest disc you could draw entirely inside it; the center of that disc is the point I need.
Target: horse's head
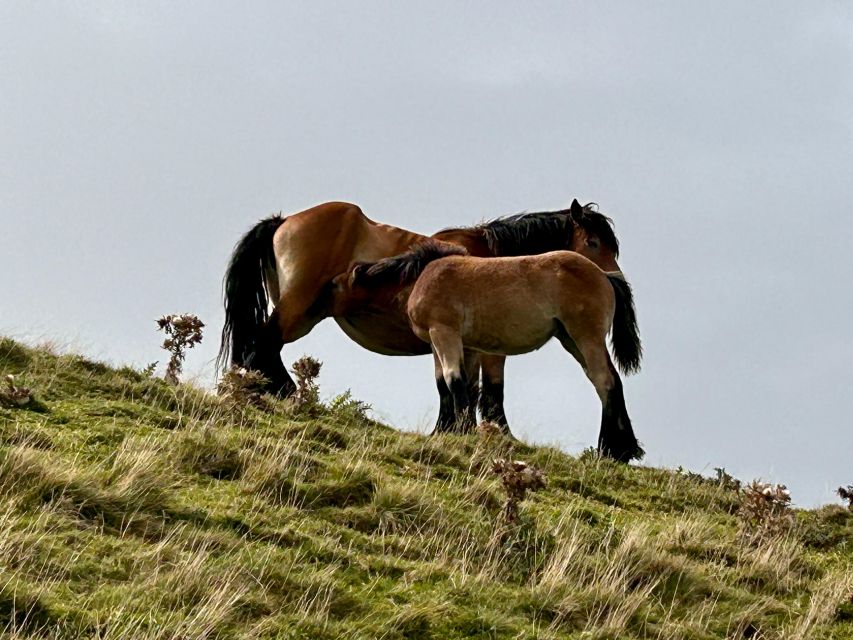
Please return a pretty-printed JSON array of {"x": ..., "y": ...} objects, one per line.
[{"x": 593, "y": 236}]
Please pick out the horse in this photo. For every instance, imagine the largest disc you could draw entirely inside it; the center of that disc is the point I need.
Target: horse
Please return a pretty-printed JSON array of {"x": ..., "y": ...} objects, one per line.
[
  {"x": 288, "y": 263},
  {"x": 456, "y": 302}
]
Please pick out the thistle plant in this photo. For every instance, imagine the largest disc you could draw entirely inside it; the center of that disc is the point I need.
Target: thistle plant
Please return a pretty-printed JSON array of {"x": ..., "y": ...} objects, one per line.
[
  {"x": 306, "y": 370},
  {"x": 517, "y": 478},
  {"x": 240, "y": 387},
  {"x": 15, "y": 395},
  {"x": 183, "y": 332},
  {"x": 765, "y": 510}
]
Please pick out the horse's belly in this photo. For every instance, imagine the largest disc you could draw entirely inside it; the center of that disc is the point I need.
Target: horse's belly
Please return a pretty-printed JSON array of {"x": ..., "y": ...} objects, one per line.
[
  {"x": 509, "y": 336},
  {"x": 382, "y": 335}
]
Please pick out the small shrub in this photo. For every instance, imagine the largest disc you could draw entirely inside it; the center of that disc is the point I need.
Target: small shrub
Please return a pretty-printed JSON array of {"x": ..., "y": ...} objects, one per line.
[
  {"x": 345, "y": 407},
  {"x": 490, "y": 430},
  {"x": 244, "y": 387},
  {"x": 517, "y": 478},
  {"x": 183, "y": 331},
  {"x": 14, "y": 395},
  {"x": 765, "y": 510},
  {"x": 306, "y": 370}
]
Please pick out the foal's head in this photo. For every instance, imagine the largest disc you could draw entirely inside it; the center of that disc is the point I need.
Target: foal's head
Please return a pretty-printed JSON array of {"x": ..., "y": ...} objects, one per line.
[{"x": 378, "y": 283}]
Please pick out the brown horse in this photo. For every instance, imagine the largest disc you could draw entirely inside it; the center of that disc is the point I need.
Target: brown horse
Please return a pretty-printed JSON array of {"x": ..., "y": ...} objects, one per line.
[
  {"x": 289, "y": 263},
  {"x": 507, "y": 306}
]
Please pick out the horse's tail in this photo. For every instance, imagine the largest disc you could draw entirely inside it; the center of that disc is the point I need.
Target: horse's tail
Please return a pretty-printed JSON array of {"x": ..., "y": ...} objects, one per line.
[
  {"x": 404, "y": 268},
  {"x": 625, "y": 335},
  {"x": 248, "y": 287}
]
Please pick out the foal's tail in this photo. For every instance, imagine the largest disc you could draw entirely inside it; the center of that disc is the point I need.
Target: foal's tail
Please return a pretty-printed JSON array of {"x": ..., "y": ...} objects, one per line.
[
  {"x": 247, "y": 292},
  {"x": 625, "y": 336},
  {"x": 404, "y": 268}
]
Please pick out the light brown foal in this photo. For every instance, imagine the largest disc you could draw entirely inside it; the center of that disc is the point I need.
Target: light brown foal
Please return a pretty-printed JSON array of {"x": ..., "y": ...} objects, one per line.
[{"x": 509, "y": 306}]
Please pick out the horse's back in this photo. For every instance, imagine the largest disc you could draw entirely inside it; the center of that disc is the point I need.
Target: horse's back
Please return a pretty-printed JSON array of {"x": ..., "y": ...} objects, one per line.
[{"x": 505, "y": 305}]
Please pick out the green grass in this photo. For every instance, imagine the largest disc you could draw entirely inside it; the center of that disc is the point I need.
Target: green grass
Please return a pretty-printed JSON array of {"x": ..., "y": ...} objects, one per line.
[{"x": 132, "y": 509}]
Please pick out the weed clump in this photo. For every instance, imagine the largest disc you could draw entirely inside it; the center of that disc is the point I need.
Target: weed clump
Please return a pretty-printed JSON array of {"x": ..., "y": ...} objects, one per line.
[
  {"x": 765, "y": 511},
  {"x": 346, "y": 408},
  {"x": 517, "y": 478},
  {"x": 183, "y": 331},
  {"x": 307, "y": 397},
  {"x": 241, "y": 387},
  {"x": 14, "y": 395}
]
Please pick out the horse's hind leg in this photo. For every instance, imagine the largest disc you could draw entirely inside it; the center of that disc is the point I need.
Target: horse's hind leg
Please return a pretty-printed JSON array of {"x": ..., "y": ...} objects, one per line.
[
  {"x": 471, "y": 360},
  {"x": 453, "y": 383},
  {"x": 266, "y": 359},
  {"x": 294, "y": 316},
  {"x": 616, "y": 438}
]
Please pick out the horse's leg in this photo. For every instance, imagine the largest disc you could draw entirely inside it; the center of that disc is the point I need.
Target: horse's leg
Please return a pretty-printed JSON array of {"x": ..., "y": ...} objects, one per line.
[
  {"x": 266, "y": 359},
  {"x": 446, "y": 412},
  {"x": 294, "y": 316},
  {"x": 471, "y": 361},
  {"x": 447, "y": 346},
  {"x": 492, "y": 390},
  {"x": 446, "y": 417},
  {"x": 616, "y": 438}
]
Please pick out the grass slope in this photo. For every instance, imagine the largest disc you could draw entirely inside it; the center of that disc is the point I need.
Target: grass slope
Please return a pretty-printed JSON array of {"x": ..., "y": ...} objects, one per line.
[{"x": 132, "y": 509}]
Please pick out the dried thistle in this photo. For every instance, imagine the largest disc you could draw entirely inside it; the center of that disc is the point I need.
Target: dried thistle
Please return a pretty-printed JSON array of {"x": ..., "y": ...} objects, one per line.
[
  {"x": 517, "y": 478},
  {"x": 14, "y": 395},
  {"x": 240, "y": 386},
  {"x": 306, "y": 370},
  {"x": 765, "y": 510},
  {"x": 183, "y": 332},
  {"x": 488, "y": 430},
  {"x": 847, "y": 494}
]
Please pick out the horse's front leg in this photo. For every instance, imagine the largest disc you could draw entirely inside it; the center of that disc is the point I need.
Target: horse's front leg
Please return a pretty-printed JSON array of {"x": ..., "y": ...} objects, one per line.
[
  {"x": 492, "y": 390},
  {"x": 446, "y": 412},
  {"x": 452, "y": 382}
]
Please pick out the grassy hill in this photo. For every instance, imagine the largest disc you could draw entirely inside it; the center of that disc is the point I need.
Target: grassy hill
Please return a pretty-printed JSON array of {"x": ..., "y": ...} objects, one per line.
[{"x": 133, "y": 509}]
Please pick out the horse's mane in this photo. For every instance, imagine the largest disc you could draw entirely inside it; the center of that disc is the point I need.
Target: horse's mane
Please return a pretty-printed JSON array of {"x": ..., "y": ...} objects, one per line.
[
  {"x": 539, "y": 232},
  {"x": 403, "y": 268}
]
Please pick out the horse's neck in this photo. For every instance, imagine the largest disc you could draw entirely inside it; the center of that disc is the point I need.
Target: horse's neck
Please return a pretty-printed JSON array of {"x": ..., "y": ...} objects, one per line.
[
  {"x": 472, "y": 239},
  {"x": 528, "y": 242}
]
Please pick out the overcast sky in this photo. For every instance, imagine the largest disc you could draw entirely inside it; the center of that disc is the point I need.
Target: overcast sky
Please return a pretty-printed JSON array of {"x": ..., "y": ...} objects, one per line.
[{"x": 137, "y": 143}]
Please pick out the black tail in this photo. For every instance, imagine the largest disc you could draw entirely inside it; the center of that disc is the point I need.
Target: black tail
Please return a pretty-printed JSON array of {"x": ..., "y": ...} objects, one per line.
[
  {"x": 246, "y": 295},
  {"x": 625, "y": 336},
  {"x": 405, "y": 267}
]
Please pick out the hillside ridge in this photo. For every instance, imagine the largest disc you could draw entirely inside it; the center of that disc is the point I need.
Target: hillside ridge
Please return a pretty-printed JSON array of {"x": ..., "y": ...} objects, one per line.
[{"x": 131, "y": 508}]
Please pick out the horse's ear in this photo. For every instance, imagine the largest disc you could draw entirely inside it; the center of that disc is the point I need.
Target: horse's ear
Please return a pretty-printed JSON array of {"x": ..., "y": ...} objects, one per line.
[
  {"x": 357, "y": 272},
  {"x": 576, "y": 210}
]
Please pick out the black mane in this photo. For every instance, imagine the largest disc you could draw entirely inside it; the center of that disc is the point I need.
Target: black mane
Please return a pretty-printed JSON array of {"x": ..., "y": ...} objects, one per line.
[
  {"x": 543, "y": 231},
  {"x": 405, "y": 267}
]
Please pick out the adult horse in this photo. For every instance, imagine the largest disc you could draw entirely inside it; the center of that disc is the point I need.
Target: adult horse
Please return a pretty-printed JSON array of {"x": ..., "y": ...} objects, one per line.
[
  {"x": 507, "y": 306},
  {"x": 289, "y": 263}
]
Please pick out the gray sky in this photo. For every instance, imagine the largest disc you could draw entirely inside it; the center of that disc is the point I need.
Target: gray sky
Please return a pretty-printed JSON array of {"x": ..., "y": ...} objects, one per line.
[{"x": 138, "y": 143}]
